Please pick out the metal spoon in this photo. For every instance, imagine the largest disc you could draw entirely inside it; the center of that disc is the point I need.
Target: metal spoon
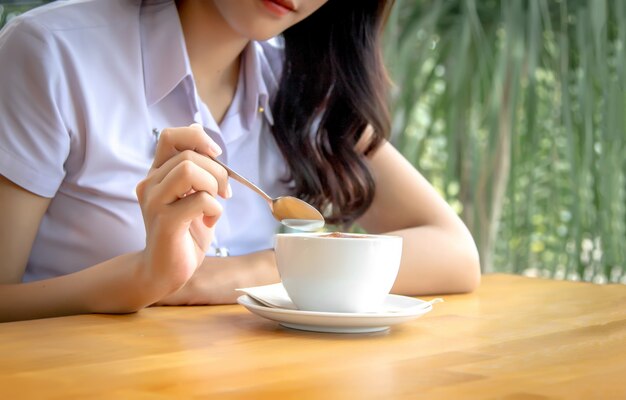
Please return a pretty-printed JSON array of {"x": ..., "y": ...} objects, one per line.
[{"x": 290, "y": 211}]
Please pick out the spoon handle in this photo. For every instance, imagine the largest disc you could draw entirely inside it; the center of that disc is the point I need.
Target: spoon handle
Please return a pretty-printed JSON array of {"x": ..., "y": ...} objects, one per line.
[{"x": 243, "y": 180}]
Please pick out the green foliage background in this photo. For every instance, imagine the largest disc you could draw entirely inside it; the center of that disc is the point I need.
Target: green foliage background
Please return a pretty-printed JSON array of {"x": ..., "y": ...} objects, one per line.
[{"x": 514, "y": 110}]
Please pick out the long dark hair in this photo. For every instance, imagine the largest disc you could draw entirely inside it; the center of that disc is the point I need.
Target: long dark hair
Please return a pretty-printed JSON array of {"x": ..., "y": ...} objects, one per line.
[{"x": 333, "y": 86}]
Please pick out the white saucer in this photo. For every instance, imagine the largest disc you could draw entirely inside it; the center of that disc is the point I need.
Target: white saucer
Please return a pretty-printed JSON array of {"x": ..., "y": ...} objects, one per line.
[{"x": 404, "y": 309}]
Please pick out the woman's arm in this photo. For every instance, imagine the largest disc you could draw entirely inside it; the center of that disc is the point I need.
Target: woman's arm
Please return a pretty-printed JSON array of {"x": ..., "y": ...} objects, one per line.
[
  {"x": 439, "y": 254},
  {"x": 217, "y": 278},
  {"x": 111, "y": 286},
  {"x": 179, "y": 208},
  {"x": 20, "y": 215}
]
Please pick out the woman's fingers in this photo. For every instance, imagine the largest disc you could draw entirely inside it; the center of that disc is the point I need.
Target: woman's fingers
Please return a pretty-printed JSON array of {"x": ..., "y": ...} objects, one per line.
[
  {"x": 190, "y": 207},
  {"x": 176, "y": 140},
  {"x": 219, "y": 174},
  {"x": 189, "y": 216},
  {"x": 184, "y": 179},
  {"x": 180, "y": 145}
]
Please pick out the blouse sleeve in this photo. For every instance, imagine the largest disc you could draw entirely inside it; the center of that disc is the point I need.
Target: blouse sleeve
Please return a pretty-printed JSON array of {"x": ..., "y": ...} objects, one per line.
[{"x": 34, "y": 140}]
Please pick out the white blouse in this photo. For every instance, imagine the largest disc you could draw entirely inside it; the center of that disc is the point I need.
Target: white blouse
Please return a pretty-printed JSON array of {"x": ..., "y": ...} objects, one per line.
[{"x": 85, "y": 86}]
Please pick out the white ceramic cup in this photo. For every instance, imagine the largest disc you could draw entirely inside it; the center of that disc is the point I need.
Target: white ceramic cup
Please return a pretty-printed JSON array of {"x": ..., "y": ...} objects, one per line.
[{"x": 338, "y": 274}]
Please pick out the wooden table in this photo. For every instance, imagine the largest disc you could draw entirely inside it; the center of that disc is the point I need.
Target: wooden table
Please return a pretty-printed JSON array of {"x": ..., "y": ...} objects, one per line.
[{"x": 515, "y": 338}]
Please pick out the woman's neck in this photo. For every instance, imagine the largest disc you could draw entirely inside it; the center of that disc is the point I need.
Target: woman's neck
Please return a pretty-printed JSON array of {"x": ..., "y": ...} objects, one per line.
[{"x": 214, "y": 51}]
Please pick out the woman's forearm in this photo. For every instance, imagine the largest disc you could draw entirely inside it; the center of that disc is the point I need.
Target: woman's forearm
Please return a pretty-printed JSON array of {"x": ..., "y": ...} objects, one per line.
[
  {"x": 249, "y": 270},
  {"x": 433, "y": 262},
  {"x": 118, "y": 285},
  {"x": 217, "y": 278}
]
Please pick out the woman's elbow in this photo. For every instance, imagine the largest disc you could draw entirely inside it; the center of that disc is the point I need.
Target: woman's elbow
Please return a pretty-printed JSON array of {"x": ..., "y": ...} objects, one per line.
[{"x": 470, "y": 271}]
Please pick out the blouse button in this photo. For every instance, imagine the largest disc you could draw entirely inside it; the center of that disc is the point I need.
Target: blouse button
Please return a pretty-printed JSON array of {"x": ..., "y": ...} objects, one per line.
[{"x": 221, "y": 252}]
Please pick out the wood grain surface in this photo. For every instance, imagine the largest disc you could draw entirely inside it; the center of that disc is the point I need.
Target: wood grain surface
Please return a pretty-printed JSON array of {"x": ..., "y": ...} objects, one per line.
[{"x": 515, "y": 338}]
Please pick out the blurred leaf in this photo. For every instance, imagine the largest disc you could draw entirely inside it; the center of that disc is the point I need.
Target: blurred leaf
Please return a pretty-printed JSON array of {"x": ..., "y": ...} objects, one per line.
[{"x": 529, "y": 97}]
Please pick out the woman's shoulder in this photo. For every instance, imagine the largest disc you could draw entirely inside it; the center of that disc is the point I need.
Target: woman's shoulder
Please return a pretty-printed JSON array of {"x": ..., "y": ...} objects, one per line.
[
  {"x": 71, "y": 16},
  {"x": 45, "y": 33}
]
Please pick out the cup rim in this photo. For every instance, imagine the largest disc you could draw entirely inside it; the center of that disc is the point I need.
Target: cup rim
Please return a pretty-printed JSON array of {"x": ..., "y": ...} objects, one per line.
[{"x": 319, "y": 236}]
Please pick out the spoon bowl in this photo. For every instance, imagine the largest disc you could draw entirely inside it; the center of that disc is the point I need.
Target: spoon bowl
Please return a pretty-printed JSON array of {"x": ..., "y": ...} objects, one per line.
[{"x": 288, "y": 210}]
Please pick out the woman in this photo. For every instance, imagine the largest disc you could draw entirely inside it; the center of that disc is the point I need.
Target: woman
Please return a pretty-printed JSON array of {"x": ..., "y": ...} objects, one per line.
[{"x": 110, "y": 109}]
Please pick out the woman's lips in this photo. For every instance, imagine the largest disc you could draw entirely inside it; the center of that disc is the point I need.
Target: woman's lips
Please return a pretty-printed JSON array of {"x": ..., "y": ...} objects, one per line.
[
  {"x": 279, "y": 7},
  {"x": 288, "y": 4}
]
